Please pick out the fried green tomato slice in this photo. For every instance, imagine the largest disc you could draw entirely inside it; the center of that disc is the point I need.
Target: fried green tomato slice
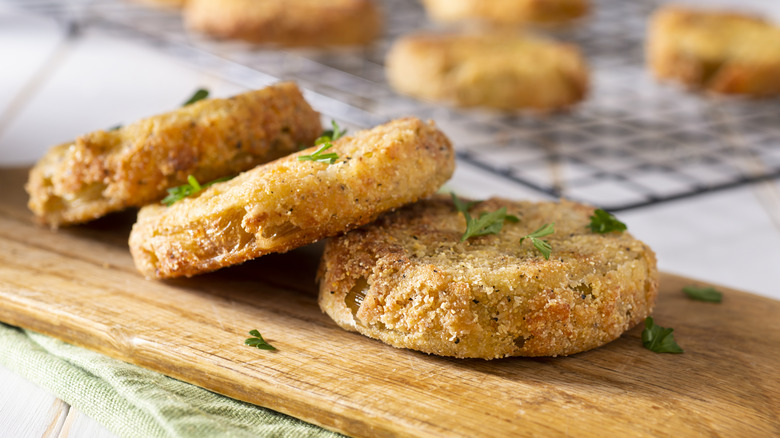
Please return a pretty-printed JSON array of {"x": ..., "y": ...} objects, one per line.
[
  {"x": 289, "y": 203},
  {"x": 106, "y": 171},
  {"x": 408, "y": 280}
]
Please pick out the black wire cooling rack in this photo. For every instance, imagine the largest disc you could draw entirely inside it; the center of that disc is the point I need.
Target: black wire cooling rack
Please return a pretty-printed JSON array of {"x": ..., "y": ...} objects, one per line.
[{"x": 632, "y": 143}]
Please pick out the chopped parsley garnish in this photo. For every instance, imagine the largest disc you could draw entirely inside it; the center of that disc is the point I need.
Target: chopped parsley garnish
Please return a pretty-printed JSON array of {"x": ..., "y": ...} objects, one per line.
[
  {"x": 319, "y": 157},
  {"x": 325, "y": 140},
  {"x": 201, "y": 94},
  {"x": 487, "y": 223},
  {"x": 542, "y": 245},
  {"x": 331, "y": 134},
  {"x": 257, "y": 341},
  {"x": 604, "y": 222},
  {"x": 176, "y": 194},
  {"x": 114, "y": 128},
  {"x": 703, "y": 293},
  {"x": 658, "y": 339}
]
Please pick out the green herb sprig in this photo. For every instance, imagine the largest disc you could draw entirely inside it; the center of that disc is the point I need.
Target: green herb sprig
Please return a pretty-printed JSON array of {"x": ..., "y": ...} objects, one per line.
[
  {"x": 325, "y": 140},
  {"x": 200, "y": 94},
  {"x": 319, "y": 156},
  {"x": 543, "y": 246},
  {"x": 487, "y": 223},
  {"x": 659, "y": 339},
  {"x": 332, "y": 134},
  {"x": 176, "y": 194},
  {"x": 257, "y": 341},
  {"x": 604, "y": 222},
  {"x": 703, "y": 293}
]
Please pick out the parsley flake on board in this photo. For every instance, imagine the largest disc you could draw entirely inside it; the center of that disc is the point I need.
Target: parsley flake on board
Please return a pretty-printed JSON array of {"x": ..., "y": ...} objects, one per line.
[
  {"x": 201, "y": 94},
  {"x": 257, "y": 341},
  {"x": 703, "y": 293},
  {"x": 176, "y": 194},
  {"x": 325, "y": 140},
  {"x": 659, "y": 339},
  {"x": 487, "y": 223},
  {"x": 542, "y": 245},
  {"x": 603, "y": 222}
]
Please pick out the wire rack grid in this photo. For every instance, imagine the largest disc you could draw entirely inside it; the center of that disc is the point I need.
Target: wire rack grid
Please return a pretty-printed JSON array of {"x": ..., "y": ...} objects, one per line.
[{"x": 632, "y": 143}]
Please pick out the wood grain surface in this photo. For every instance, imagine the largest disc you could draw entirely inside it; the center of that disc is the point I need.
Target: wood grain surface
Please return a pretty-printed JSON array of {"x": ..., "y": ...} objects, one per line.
[{"x": 79, "y": 285}]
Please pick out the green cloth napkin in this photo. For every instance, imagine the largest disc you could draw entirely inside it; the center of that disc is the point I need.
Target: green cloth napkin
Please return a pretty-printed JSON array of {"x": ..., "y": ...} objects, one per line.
[{"x": 131, "y": 401}]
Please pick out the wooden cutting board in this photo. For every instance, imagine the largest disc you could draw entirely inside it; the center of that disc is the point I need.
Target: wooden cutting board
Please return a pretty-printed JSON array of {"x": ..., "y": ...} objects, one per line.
[{"x": 79, "y": 285}]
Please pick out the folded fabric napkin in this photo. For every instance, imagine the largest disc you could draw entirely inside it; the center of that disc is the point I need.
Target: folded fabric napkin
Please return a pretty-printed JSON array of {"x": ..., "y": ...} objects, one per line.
[{"x": 131, "y": 401}]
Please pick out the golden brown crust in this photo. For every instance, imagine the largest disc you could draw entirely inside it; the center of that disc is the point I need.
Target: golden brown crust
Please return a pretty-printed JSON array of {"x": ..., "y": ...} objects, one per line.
[
  {"x": 287, "y": 22},
  {"x": 106, "y": 171},
  {"x": 723, "y": 52},
  {"x": 546, "y": 12},
  {"x": 289, "y": 203},
  {"x": 407, "y": 280},
  {"x": 500, "y": 70}
]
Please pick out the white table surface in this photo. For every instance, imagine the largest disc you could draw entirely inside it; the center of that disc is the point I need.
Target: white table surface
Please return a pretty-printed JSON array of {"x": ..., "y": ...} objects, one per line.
[{"x": 729, "y": 237}]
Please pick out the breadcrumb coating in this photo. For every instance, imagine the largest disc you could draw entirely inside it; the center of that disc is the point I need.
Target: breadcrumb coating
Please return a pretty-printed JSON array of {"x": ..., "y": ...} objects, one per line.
[
  {"x": 408, "y": 280},
  {"x": 506, "y": 71},
  {"x": 724, "y": 52},
  {"x": 288, "y": 22},
  {"x": 289, "y": 203},
  {"x": 505, "y": 12},
  {"x": 106, "y": 171}
]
